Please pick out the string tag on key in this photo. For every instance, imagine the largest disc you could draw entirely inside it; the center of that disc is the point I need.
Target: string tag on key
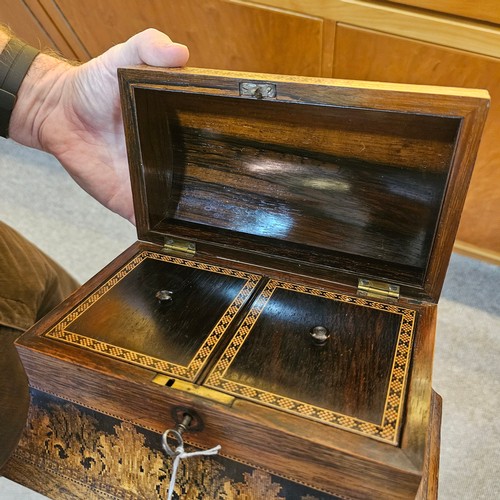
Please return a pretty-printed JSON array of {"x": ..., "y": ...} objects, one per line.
[{"x": 178, "y": 452}]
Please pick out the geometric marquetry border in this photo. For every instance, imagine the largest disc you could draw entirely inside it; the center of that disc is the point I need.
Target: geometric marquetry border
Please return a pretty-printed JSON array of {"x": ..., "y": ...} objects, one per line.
[
  {"x": 387, "y": 430},
  {"x": 62, "y": 331}
]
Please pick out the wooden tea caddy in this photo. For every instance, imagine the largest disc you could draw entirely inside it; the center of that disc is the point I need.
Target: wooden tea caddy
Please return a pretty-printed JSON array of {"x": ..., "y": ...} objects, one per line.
[{"x": 294, "y": 235}]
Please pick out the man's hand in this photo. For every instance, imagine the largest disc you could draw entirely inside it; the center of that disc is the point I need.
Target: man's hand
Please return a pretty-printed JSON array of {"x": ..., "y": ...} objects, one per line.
[{"x": 74, "y": 113}]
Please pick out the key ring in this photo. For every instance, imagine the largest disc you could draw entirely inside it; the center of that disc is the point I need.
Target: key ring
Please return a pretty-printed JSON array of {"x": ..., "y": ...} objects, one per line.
[{"x": 168, "y": 449}]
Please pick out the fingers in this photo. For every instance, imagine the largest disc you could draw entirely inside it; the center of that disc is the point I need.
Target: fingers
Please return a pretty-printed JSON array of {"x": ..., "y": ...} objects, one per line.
[
  {"x": 156, "y": 49},
  {"x": 150, "y": 47}
]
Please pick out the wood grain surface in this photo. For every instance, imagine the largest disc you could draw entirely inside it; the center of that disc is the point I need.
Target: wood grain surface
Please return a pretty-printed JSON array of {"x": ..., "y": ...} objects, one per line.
[
  {"x": 31, "y": 23},
  {"x": 129, "y": 316},
  {"x": 390, "y": 18},
  {"x": 232, "y": 171},
  {"x": 350, "y": 374},
  {"x": 429, "y": 486}
]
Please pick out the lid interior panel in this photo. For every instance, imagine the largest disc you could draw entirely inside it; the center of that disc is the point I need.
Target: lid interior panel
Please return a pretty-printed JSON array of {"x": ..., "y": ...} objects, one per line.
[{"x": 359, "y": 189}]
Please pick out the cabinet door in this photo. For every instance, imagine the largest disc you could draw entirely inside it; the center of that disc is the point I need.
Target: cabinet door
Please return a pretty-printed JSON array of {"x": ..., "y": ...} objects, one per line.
[
  {"x": 220, "y": 34},
  {"x": 15, "y": 15},
  {"x": 31, "y": 24},
  {"x": 367, "y": 55},
  {"x": 485, "y": 10}
]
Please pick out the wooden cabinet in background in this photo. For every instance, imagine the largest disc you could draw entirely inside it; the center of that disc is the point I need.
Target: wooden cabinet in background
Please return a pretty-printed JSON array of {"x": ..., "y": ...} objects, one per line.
[
  {"x": 220, "y": 34},
  {"x": 396, "y": 41},
  {"x": 30, "y": 22},
  {"x": 367, "y": 55},
  {"x": 15, "y": 15},
  {"x": 485, "y": 10},
  {"x": 386, "y": 41}
]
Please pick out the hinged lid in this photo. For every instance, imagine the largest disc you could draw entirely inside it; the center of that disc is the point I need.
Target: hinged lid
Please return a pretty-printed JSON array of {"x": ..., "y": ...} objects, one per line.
[{"x": 344, "y": 179}]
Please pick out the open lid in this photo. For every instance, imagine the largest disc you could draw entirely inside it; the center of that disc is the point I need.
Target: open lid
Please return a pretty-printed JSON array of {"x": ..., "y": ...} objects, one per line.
[{"x": 353, "y": 179}]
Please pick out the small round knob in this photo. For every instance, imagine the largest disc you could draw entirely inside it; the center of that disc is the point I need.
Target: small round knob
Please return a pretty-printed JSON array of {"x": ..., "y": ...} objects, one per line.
[
  {"x": 164, "y": 296},
  {"x": 319, "y": 335}
]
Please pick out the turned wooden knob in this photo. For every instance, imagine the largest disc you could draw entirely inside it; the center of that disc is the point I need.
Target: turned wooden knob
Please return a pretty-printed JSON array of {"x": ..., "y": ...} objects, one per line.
[
  {"x": 164, "y": 296},
  {"x": 319, "y": 335}
]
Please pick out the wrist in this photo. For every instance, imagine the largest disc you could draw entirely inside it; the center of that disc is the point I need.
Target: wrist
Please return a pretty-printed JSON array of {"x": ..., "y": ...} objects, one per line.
[{"x": 38, "y": 94}]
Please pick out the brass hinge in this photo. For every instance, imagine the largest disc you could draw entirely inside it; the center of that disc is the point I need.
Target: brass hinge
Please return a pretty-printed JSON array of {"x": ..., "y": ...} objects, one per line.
[
  {"x": 377, "y": 289},
  {"x": 179, "y": 246}
]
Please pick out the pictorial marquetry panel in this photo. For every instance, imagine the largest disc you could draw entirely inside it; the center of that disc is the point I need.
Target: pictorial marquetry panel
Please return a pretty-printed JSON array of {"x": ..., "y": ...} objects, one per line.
[
  {"x": 79, "y": 326},
  {"x": 239, "y": 382},
  {"x": 70, "y": 451}
]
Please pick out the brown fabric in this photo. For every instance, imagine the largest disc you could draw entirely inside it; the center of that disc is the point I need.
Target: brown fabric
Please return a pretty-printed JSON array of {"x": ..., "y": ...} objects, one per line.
[
  {"x": 14, "y": 394},
  {"x": 31, "y": 284}
]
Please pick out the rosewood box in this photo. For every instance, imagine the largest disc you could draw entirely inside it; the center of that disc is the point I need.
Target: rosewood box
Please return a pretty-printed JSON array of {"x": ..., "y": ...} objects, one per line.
[{"x": 294, "y": 235}]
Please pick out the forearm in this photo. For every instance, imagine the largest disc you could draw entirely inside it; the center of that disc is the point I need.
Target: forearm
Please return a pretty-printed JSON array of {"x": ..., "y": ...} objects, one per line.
[{"x": 38, "y": 95}]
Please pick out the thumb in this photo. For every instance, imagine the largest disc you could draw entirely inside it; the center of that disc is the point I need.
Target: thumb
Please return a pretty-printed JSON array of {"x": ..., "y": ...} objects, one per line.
[{"x": 150, "y": 47}]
